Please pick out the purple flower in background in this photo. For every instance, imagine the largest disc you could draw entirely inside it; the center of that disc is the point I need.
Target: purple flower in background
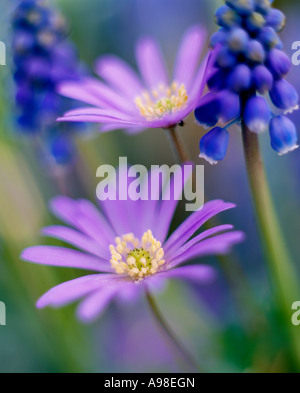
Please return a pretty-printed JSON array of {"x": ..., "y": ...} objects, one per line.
[
  {"x": 248, "y": 61},
  {"x": 125, "y": 100},
  {"x": 129, "y": 248},
  {"x": 43, "y": 58}
]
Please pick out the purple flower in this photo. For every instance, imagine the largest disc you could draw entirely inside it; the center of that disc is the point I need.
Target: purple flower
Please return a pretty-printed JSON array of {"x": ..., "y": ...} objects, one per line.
[
  {"x": 128, "y": 247},
  {"x": 125, "y": 100}
]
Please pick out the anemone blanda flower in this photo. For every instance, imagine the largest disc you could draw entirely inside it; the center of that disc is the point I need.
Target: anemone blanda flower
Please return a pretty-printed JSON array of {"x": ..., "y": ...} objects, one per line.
[
  {"x": 128, "y": 247},
  {"x": 153, "y": 100}
]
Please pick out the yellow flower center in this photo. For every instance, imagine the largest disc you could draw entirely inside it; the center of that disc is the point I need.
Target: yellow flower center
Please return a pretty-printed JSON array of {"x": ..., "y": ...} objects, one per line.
[
  {"x": 164, "y": 100},
  {"x": 137, "y": 258}
]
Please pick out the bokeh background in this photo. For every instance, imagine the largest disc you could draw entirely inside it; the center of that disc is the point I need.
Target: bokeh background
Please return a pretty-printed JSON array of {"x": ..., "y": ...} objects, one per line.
[{"x": 232, "y": 325}]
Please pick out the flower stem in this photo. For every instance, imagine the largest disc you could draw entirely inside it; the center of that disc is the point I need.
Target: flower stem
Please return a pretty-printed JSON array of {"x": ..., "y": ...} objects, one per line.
[
  {"x": 178, "y": 145},
  {"x": 281, "y": 267},
  {"x": 189, "y": 360}
]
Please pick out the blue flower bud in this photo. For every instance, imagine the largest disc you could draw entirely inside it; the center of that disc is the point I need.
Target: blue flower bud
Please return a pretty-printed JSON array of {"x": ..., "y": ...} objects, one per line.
[
  {"x": 238, "y": 40},
  {"x": 240, "y": 79},
  {"x": 276, "y": 19},
  {"x": 257, "y": 115},
  {"x": 226, "y": 17},
  {"x": 256, "y": 52},
  {"x": 230, "y": 106},
  {"x": 243, "y": 7},
  {"x": 283, "y": 135},
  {"x": 208, "y": 113},
  {"x": 279, "y": 63},
  {"x": 225, "y": 58},
  {"x": 62, "y": 149},
  {"x": 255, "y": 22},
  {"x": 269, "y": 38},
  {"x": 213, "y": 146},
  {"x": 263, "y": 6},
  {"x": 218, "y": 80},
  {"x": 284, "y": 96},
  {"x": 218, "y": 37},
  {"x": 262, "y": 79}
]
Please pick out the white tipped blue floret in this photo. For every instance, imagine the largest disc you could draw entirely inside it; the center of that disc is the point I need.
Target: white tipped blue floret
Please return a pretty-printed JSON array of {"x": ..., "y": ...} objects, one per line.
[
  {"x": 283, "y": 133},
  {"x": 257, "y": 115},
  {"x": 240, "y": 79},
  {"x": 279, "y": 63},
  {"x": 213, "y": 146},
  {"x": 284, "y": 96},
  {"x": 262, "y": 79}
]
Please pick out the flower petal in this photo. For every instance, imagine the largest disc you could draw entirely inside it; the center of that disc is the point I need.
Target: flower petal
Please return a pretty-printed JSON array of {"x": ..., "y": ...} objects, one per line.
[
  {"x": 188, "y": 55},
  {"x": 71, "y": 291},
  {"x": 74, "y": 238},
  {"x": 120, "y": 75},
  {"x": 200, "y": 274},
  {"x": 92, "y": 307},
  {"x": 186, "y": 230},
  {"x": 151, "y": 63},
  {"x": 65, "y": 257},
  {"x": 84, "y": 216},
  {"x": 218, "y": 245}
]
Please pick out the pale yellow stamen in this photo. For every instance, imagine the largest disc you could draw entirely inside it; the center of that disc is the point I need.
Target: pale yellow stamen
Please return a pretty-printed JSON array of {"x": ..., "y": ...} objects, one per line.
[
  {"x": 137, "y": 258},
  {"x": 162, "y": 101}
]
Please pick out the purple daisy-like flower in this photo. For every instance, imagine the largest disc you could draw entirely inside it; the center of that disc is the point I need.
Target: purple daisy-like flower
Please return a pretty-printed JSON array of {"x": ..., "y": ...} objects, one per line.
[
  {"x": 125, "y": 100},
  {"x": 129, "y": 248}
]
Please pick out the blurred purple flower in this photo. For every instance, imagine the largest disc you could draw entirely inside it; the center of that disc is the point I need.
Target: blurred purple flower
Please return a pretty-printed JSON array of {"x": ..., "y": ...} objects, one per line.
[
  {"x": 124, "y": 100},
  {"x": 130, "y": 244}
]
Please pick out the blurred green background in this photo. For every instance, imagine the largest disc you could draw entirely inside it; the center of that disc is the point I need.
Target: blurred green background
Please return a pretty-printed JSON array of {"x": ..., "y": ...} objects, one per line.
[{"x": 231, "y": 326}]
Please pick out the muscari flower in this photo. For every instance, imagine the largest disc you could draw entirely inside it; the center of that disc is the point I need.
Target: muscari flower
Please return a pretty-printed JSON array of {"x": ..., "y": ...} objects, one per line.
[
  {"x": 249, "y": 62},
  {"x": 128, "y": 248},
  {"x": 43, "y": 58},
  {"x": 134, "y": 103}
]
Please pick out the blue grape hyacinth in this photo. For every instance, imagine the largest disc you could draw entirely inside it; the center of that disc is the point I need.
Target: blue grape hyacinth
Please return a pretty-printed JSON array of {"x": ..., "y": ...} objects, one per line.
[
  {"x": 43, "y": 58},
  {"x": 248, "y": 80}
]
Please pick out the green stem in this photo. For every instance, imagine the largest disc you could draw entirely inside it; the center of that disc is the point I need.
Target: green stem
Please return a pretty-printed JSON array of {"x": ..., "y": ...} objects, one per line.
[
  {"x": 234, "y": 274},
  {"x": 179, "y": 148},
  {"x": 280, "y": 264},
  {"x": 189, "y": 360}
]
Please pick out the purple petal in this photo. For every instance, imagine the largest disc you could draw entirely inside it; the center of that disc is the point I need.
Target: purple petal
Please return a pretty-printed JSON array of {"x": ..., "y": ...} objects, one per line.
[
  {"x": 92, "y": 307},
  {"x": 84, "y": 216},
  {"x": 168, "y": 207},
  {"x": 200, "y": 274},
  {"x": 71, "y": 291},
  {"x": 189, "y": 55},
  {"x": 65, "y": 257},
  {"x": 202, "y": 236},
  {"x": 76, "y": 239},
  {"x": 151, "y": 63},
  {"x": 111, "y": 98},
  {"x": 217, "y": 245},
  {"x": 186, "y": 230},
  {"x": 77, "y": 91},
  {"x": 120, "y": 75}
]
